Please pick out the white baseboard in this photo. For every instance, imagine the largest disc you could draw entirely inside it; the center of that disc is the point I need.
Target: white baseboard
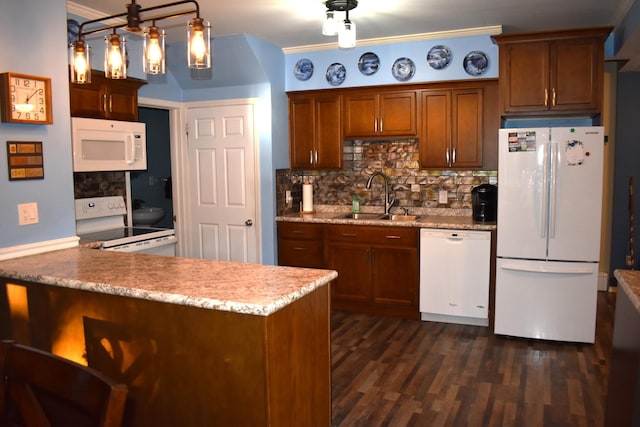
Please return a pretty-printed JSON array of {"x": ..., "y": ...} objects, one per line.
[{"x": 38, "y": 247}]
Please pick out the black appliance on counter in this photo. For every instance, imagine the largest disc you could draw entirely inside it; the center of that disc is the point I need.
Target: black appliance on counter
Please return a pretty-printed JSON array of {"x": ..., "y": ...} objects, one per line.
[{"x": 484, "y": 200}]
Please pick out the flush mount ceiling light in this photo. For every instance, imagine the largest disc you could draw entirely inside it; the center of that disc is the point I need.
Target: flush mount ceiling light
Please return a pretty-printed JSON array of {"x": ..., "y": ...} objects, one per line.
[
  {"x": 346, "y": 30},
  {"x": 153, "y": 56}
]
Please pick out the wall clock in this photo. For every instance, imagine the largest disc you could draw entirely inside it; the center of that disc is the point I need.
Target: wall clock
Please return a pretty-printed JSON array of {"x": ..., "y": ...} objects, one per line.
[{"x": 25, "y": 99}]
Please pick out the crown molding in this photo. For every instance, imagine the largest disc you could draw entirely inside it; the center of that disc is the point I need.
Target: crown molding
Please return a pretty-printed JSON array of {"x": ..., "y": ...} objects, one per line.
[{"x": 449, "y": 34}]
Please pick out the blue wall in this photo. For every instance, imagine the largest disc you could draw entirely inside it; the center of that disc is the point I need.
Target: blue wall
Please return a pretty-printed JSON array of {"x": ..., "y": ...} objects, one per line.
[
  {"x": 388, "y": 53},
  {"x": 627, "y": 164},
  {"x": 35, "y": 35}
]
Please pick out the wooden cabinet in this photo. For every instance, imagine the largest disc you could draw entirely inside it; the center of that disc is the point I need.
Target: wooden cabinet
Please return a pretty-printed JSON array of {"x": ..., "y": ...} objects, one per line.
[
  {"x": 301, "y": 244},
  {"x": 552, "y": 73},
  {"x": 451, "y": 128},
  {"x": 377, "y": 267},
  {"x": 315, "y": 130},
  {"x": 371, "y": 113},
  {"x": 105, "y": 98}
]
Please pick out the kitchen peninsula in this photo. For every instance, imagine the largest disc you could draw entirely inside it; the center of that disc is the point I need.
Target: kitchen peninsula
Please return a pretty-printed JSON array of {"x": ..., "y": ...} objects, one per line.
[{"x": 198, "y": 342}]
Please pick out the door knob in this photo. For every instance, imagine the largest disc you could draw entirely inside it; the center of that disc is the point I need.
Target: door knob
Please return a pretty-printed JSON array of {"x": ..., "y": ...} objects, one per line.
[{"x": 248, "y": 223}]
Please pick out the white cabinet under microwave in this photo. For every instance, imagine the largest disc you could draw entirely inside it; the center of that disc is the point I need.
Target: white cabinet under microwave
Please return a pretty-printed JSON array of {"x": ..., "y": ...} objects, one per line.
[{"x": 108, "y": 145}]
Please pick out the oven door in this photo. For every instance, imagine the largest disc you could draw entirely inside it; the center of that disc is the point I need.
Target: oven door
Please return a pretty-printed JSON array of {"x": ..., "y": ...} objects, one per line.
[{"x": 161, "y": 246}]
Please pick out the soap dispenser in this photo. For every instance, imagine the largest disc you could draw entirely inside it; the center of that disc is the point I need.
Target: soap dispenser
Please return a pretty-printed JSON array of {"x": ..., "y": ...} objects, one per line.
[{"x": 355, "y": 206}]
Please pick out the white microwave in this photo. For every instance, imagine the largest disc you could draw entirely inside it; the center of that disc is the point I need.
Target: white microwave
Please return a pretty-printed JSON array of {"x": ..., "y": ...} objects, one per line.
[{"x": 108, "y": 145}]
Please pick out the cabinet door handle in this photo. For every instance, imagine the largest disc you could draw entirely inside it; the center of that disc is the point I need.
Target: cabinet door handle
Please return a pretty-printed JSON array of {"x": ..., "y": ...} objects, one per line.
[
  {"x": 392, "y": 236},
  {"x": 349, "y": 235},
  {"x": 453, "y": 157},
  {"x": 553, "y": 97},
  {"x": 316, "y": 163},
  {"x": 375, "y": 125},
  {"x": 446, "y": 156},
  {"x": 104, "y": 102},
  {"x": 546, "y": 97},
  {"x": 311, "y": 157},
  {"x": 110, "y": 104},
  {"x": 381, "y": 125},
  {"x": 299, "y": 249}
]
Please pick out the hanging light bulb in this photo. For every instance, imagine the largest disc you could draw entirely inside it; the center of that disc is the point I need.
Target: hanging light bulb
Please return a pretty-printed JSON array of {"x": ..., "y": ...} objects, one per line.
[
  {"x": 153, "y": 51},
  {"x": 79, "y": 57},
  {"x": 330, "y": 25},
  {"x": 347, "y": 35},
  {"x": 199, "y": 45},
  {"x": 115, "y": 65}
]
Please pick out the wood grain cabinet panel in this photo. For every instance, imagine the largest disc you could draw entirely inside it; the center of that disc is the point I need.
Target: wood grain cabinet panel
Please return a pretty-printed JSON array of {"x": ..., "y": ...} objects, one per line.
[
  {"x": 301, "y": 244},
  {"x": 376, "y": 114},
  {"x": 552, "y": 73},
  {"x": 315, "y": 130},
  {"x": 105, "y": 98},
  {"x": 451, "y": 131},
  {"x": 378, "y": 269}
]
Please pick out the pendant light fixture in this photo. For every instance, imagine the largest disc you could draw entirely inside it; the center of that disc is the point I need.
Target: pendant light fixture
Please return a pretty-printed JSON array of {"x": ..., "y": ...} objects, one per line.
[
  {"x": 153, "y": 50},
  {"x": 153, "y": 55},
  {"x": 346, "y": 30}
]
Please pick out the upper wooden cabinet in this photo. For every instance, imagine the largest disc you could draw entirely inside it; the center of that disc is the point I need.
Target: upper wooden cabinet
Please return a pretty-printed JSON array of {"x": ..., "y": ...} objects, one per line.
[
  {"x": 105, "y": 98},
  {"x": 372, "y": 114},
  {"x": 315, "y": 130},
  {"x": 451, "y": 130},
  {"x": 552, "y": 73}
]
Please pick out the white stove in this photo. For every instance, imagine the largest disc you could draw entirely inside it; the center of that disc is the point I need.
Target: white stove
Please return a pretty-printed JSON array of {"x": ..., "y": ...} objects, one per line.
[{"x": 100, "y": 220}]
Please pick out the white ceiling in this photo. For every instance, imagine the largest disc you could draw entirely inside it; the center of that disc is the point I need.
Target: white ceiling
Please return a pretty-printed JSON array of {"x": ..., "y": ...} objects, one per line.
[{"x": 297, "y": 23}]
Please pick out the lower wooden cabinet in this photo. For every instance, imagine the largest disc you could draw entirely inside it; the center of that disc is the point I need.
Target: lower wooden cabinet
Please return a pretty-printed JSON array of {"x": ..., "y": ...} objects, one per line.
[
  {"x": 378, "y": 267},
  {"x": 301, "y": 244}
]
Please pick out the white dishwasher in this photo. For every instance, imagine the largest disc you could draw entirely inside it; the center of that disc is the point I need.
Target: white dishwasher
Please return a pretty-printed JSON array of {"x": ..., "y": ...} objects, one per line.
[{"x": 454, "y": 276}]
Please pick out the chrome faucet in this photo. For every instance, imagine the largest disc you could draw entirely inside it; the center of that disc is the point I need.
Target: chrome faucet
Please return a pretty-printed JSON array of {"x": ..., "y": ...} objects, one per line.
[{"x": 388, "y": 201}]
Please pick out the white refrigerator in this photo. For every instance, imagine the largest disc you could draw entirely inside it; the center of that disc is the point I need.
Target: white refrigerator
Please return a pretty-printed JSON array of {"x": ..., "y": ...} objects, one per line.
[{"x": 548, "y": 243}]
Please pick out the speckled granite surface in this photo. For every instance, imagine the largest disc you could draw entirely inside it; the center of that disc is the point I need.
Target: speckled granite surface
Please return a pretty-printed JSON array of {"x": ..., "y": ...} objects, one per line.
[
  {"x": 460, "y": 219},
  {"x": 236, "y": 287},
  {"x": 629, "y": 282}
]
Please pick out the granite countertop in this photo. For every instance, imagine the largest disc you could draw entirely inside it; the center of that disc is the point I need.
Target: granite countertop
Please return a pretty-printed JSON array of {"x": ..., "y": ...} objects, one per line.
[
  {"x": 629, "y": 282},
  {"x": 226, "y": 286},
  {"x": 459, "y": 219}
]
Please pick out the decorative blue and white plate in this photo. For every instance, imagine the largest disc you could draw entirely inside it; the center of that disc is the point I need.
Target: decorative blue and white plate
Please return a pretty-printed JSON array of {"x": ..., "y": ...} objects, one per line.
[
  {"x": 336, "y": 74},
  {"x": 368, "y": 63},
  {"x": 403, "y": 69},
  {"x": 476, "y": 63},
  {"x": 303, "y": 69},
  {"x": 439, "y": 57}
]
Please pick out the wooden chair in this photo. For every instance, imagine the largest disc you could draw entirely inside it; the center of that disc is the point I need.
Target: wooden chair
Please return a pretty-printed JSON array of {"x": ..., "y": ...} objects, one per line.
[{"x": 40, "y": 389}]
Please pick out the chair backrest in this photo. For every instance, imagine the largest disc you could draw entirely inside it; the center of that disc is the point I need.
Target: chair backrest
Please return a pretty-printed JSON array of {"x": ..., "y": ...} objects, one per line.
[{"x": 41, "y": 389}]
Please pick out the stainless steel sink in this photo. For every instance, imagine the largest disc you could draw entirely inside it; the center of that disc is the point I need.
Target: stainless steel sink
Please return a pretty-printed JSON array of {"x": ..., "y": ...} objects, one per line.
[
  {"x": 399, "y": 217},
  {"x": 361, "y": 216},
  {"x": 380, "y": 217}
]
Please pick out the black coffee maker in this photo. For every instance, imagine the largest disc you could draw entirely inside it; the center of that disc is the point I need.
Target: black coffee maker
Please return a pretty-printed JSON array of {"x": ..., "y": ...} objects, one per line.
[{"x": 484, "y": 199}]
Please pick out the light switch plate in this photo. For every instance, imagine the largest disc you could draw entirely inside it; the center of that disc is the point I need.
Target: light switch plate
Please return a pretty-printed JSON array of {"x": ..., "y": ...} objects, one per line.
[
  {"x": 443, "y": 197},
  {"x": 28, "y": 213}
]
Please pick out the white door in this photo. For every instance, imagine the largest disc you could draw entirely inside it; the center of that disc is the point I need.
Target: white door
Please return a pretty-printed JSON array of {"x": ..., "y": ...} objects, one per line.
[
  {"x": 222, "y": 183},
  {"x": 576, "y": 193},
  {"x": 522, "y": 204}
]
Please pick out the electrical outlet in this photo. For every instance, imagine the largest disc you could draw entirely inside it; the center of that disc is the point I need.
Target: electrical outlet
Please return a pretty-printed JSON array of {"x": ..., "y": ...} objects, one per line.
[
  {"x": 288, "y": 199},
  {"x": 443, "y": 197},
  {"x": 28, "y": 213}
]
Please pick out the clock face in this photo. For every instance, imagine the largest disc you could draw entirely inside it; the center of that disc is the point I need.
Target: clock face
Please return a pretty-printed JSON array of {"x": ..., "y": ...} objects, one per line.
[
  {"x": 25, "y": 99},
  {"x": 28, "y": 97}
]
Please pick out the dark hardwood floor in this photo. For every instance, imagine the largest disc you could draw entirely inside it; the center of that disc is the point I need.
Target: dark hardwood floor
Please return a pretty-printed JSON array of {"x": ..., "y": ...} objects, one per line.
[{"x": 395, "y": 372}]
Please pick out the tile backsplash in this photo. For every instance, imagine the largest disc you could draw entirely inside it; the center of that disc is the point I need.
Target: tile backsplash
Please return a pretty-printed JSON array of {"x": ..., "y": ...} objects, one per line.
[
  {"x": 412, "y": 187},
  {"x": 99, "y": 184}
]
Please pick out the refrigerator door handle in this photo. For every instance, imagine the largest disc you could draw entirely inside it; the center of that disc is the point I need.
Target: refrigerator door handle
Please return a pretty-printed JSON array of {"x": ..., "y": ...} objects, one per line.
[
  {"x": 516, "y": 267},
  {"x": 553, "y": 190},
  {"x": 544, "y": 211}
]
